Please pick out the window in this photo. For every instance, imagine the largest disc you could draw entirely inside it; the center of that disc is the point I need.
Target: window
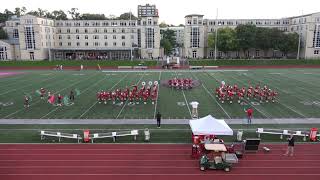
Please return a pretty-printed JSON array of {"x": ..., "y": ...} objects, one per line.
[
  {"x": 59, "y": 30},
  {"x": 106, "y": 44},
  {"x": 86, "y": 44},
  {"x": 114, "y": 30},
  {"x": 123, "y": 37},
  {"x": 150, "y": 38},
  {"x": 85, "y": 30},
  {"x": 195, "y": 37},
  {"x": 77, "y": 37},
  {"x": 60, "y": 43},
  {"x": 114, "y": 37},
  {"x": 60, "y": 37},
  {"x": 29, "y": 37},
  {"x": 3, "y": 53},
  {"x": 211, "y": 53},
  {"x": 114, "y": 44},
  {"x": 105, "y": 37},
  {"x": 105, "y": 30},
  {"x": 77, "y": 30},
  {"x": 68, "y": 30},
  {"x": 96, "y": 44},
  {"x": 149, "y": 21},
  {"x": 316, "y": 52},
  {"x": 96, "y": 30},
  {"x": 194, "y": 21},
  {"x": 15, "y": 34},
  {"x": 257, "y": 53},
  {"x": 86, "y": 37},
  {"x": 123, "y": 31},
  {"x": 68, "y": 37},
  {"x": 69, "y": 43},
  {"x": 316, "y": 36},
  {"x": 189, "y": 22},
  {"x": 95, "y": 37},
  {"x": 78, "y": 43},
  {"x": 123, "y": 44}
]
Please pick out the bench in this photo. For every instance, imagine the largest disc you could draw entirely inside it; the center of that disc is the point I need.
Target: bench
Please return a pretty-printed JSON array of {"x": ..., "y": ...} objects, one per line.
[
  {"x": 59, "y": 135},
  {"x": 113, "y": 135},
  {"x": 282, "y": 132}
]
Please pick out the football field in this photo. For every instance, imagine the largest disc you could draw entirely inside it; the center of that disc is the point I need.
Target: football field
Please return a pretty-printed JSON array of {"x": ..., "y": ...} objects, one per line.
[{"x": 298, "y": 94}]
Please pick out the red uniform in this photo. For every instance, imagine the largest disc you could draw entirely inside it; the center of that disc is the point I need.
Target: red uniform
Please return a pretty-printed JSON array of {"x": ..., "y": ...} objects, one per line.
[{"x": 42, "y": 93}]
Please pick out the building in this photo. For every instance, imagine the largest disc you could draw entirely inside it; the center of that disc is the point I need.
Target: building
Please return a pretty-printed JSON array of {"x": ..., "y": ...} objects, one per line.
[
  {"x": 179, "y": 34},
  {"x": 197, "y": 30},
  {"x": 35, "y": 38}
]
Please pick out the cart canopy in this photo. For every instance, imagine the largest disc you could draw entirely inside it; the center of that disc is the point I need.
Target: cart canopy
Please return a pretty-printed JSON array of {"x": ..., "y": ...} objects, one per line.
[{"x": 210, "y": 126}]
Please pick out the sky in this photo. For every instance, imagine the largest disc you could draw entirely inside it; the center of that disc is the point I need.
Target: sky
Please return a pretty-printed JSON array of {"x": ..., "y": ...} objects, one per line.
[{"x": 174, "y": 11}]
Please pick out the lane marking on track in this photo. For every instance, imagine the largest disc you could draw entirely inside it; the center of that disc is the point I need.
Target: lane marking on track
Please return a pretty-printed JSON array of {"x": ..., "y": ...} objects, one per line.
[{"x": 86, "y": 111}]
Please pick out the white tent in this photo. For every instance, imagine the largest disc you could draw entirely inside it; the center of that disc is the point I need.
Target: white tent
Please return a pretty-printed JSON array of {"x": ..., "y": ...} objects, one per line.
[{"x": 210, "y": 126}]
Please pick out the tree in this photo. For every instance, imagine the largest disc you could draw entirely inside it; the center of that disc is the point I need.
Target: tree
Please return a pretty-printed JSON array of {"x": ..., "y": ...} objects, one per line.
[
  {"x": 88, "y": 16},
  {"x": 288, "y": 43},
  {"x": 42, "y": 12},
  {"x": 275, "y": 37},
  {"x": 75, "y": 15},
  {"x": 163, "y": 25},
  {"x": 33, "y": 13},
  {"x": 59, "y": 15},
  {"x": 168, "y": 40},
  {"x": 246, "y": 35},
  {"x": 126, "y": 16},
  {"x": 3, "y": 34},
  {"x": 263, "y": 39}
]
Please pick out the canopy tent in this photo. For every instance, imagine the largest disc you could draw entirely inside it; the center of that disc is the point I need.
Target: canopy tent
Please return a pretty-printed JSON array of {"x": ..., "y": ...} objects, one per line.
[{"x": 210, "y": 126}]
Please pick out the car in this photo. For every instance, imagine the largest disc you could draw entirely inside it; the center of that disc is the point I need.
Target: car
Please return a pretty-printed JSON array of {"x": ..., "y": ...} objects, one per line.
[{"x": 216, "y": 163}]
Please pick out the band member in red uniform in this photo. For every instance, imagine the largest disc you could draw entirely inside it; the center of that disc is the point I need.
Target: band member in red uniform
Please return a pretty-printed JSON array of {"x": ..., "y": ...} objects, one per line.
[
  {"x": 42, "y": 93},
  {"x": 99, "y": 97}
]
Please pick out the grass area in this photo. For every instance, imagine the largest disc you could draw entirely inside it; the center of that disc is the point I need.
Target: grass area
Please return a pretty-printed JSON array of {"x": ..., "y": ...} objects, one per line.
[
  {"x": 167, "y": 133},
  {"x": 298, "y": 94},
  {"x": 256, "y": 62},
  {"x": 77, "y": 63}
]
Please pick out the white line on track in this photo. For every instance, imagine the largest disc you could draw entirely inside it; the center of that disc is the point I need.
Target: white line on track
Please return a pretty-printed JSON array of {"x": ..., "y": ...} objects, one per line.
[
  {"x": 86, "y": 111},
  {"x": 40, "y": 100},
  {"x": 155, "y": 106},
  {"x": 80, "y": 94},
  {"x": 128, "y": 99}
]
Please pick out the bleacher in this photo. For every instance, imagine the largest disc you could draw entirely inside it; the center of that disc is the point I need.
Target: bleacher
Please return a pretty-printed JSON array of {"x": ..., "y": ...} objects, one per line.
[
  {"x": 114, "y": 135},
  {"x": 59, "y": 135},
  {"x": 303, "y": 134}
]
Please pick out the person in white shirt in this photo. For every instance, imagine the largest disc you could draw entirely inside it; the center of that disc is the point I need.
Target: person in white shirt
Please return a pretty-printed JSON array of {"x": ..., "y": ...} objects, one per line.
[{"x": 194, "y": 105}]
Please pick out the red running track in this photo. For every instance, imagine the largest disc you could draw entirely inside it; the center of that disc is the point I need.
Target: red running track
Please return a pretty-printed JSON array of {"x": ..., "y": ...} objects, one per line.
[{"x": 148, "y": 162}]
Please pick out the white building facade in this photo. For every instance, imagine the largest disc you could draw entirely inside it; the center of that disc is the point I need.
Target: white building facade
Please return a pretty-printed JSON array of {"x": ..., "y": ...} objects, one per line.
[
  {"x": 34, "y": 38},
  {"x": 197, "y": 30}
]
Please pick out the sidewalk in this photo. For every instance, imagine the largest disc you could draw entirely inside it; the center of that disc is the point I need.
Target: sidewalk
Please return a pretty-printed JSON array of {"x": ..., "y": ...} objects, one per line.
[{"x": 153, "y": 121}]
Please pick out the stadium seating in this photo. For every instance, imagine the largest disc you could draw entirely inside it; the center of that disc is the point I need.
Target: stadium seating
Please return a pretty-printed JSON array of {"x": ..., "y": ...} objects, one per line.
[
  {"x": 59, "y": 135},
  {"x": 282, "y": 132}
]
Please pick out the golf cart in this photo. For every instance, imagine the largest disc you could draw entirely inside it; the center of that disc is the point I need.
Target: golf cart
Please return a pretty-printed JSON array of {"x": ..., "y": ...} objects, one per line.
[{"x": 220, "y": 160}]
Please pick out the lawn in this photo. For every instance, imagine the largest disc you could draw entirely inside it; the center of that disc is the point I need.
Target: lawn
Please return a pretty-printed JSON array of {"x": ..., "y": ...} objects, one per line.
[{"x": 298, "y": 94}]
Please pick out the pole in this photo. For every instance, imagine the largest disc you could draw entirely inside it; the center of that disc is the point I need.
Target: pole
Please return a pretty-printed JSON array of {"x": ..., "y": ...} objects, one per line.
[
  {"x": 130, "y": 37},
  {"x": 299, "y": 42},
  {"x": 216, "y": 38}
]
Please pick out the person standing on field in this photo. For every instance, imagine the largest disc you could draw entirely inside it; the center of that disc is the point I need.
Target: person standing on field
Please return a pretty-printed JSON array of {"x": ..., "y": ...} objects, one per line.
[
  {"x": 158, "y": 116},
  {"x": 249, "y": 112},
  {"x": 290, "y": 146}
]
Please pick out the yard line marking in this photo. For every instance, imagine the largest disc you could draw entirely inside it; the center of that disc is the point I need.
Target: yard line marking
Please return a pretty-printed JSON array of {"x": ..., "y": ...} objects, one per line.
[
  {"x": 12, "y": 90},
  {"x": 185, "y": 99},
  {"x": 128, "y": 99},
  {"x": 40, "y": 100},
  {"x": 254, "y": 106},
  {"x": 212, "y": 96},
  {"x": 80, "y": 95},
  {"x": 283, "y": 104},
  {"x": 85, "y": 112},
  {"x": 155, "y": 106}
]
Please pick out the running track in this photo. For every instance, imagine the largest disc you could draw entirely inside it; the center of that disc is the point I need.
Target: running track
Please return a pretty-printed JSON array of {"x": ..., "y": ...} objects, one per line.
[{"x": 148, "y": 162}]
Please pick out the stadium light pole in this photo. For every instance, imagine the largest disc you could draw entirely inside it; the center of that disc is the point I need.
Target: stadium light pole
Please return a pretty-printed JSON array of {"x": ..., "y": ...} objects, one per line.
[{"x": 216, "y": 37}]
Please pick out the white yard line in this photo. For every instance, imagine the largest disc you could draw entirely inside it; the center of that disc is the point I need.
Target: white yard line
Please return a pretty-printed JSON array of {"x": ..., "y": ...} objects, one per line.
[
  {"x": 12, "y": 90},
  {"x": 40, "y": 100},
  {"x": 86, "y": 111},
  {"x": 81, "y": 93},
  {"x": 155, "y": 106},
  {"x": 127, "y": 99},
  {"x": 185, "y": 99},
  {"x": 212, "y": 96}
]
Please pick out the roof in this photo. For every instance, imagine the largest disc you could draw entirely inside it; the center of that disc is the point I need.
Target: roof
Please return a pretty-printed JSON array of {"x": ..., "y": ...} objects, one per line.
[{"x": 190, "y": 15}]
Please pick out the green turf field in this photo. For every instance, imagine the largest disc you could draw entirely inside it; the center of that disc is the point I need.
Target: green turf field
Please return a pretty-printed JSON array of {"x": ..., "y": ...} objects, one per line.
[{"x": 299, "y": 95}]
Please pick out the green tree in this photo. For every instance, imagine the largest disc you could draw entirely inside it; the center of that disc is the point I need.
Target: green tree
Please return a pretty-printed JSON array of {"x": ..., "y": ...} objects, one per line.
[
  {"x": 168, "y": 41},
  {"x": 163, "y": 25},
  {"x": 126, "y": 16},
  {"x": 275, "y": 37},
  {"x": 88, "y": 16},
  {"x": 59, "y": 15},
  {"x": 3, "y": 34},
  {"x": 42, "y": 12},
  {"x": 288, "y": 43},
  {"x": 226, "y": 41},
  {"x": 263, "y": 39},
  {"x": 75, "y": 15},
  {"x": 246, "y": 35},
  {"x": 20, "y": 11},
  {"x": 33, "y": 13}
]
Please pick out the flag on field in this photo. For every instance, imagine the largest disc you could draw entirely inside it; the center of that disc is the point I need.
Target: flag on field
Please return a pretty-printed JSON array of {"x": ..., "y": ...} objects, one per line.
[
  {"x": 51, "y": 99},
  {"x": 77, "y": 92}
]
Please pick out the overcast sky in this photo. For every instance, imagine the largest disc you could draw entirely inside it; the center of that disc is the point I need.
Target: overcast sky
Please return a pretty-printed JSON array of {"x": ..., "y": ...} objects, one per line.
[{"x": 173, "y": 11}]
